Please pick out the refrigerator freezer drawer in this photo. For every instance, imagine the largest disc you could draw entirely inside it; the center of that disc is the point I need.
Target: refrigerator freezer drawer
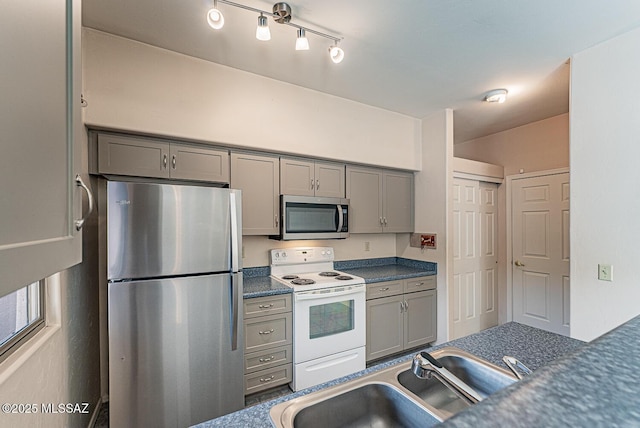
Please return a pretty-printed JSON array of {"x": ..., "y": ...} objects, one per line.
[{"x": 171, "y": 358}]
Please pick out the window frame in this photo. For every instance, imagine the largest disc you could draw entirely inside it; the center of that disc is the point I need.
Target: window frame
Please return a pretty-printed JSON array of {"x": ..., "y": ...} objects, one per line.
[{"x": 29, "y": 331}]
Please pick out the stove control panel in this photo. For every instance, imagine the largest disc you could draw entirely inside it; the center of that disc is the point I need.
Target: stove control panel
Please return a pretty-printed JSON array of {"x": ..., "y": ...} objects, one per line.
[{"x": 300, "y": 255}]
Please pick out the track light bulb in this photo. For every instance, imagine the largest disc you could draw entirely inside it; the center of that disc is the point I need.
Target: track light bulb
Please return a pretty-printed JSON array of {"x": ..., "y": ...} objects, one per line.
[
  {"x": 215, "y": 17},
  {"x": 262, "y": 32},
  {"x": 302, "y": 43},
  {"x": 336, "y": 54}
]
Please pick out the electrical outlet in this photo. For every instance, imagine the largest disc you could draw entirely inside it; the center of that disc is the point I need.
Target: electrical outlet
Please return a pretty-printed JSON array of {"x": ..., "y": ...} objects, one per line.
[
  {"x": 367, "y": 246},
  {"x": 605, "y": 272}
]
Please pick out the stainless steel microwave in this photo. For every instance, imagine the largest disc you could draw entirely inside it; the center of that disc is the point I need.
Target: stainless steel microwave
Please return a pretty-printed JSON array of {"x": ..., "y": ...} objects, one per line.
[{"x": 310, "y": 217}]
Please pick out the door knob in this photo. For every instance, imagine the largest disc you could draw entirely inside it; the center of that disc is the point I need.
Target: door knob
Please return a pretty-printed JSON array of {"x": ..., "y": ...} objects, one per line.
[{"x": 518, "y": 263}]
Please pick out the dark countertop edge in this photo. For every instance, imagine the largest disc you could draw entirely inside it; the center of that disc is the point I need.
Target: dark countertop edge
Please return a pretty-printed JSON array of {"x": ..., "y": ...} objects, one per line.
[{"x": 482, "y": 344}]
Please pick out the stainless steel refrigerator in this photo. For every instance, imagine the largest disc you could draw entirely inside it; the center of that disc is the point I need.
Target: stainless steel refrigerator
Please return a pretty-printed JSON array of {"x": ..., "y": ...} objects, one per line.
[{"x": 175, "y": 284}]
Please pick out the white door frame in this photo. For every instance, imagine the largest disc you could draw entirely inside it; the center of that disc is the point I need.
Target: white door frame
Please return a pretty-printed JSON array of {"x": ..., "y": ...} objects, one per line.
[{"x": 509, "y": 261}]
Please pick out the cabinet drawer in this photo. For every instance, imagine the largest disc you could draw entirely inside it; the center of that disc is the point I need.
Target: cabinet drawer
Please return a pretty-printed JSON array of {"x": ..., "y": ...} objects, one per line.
[
  {"x": 267, "y": 332},
  {"x": 420, "y": 284},
  {"x": 267, "y": 305},
  {"x": 267, "y": 359},
  {"x": 265, "y": 379},
  {"x": 384, "y": 289}
]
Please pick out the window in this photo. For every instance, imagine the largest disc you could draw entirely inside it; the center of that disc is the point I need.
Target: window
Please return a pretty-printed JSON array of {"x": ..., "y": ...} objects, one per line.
[{"x": 21, "y": 316}]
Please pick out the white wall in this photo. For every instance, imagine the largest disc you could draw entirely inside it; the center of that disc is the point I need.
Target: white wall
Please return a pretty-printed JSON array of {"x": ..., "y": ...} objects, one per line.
[
  {"x": 256, "y": 248},
  {"x": 605, "y": 202},
  {"x": 537, "y": 146},
  {"x": 432, "y": 207},
  {"x": 137, "y": 87}
]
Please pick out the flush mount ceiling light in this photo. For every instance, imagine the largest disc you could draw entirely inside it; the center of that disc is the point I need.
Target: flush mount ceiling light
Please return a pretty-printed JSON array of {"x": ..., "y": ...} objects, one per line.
[
  {"x": 496, "y": 96},
  {"x": 281, "y": 14}
]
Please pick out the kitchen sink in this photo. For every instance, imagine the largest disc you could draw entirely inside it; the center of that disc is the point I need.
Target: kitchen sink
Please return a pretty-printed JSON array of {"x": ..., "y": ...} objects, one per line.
[
  {"x": 370, "y": 405},
  {"x": 482, "y": 377},
  {"x": 393, "y": 397}
]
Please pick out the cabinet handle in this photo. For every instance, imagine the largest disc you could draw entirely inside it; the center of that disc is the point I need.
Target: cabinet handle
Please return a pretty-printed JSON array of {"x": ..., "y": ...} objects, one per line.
[
  {"x": 79, "y": 182},
  {"x": 401, "y": 307},
  {"x": 381, "y": 221},
  {"x": 312, "y": 184},
  {"x": 384, "y": 219},
  {"x": 406, "y": 306},
  {"x": 173, "y": 161},
  {"x": 317, "y": 184},
  {"x": 266, "y": 360},
  {"x": 265, "y": 332},
  {"x": 269, "y": 306},
  {"x": 276, "y": 217},
  {"x": 419, "y": 284},
  {"x": 384, "y": 289},
  {"x": 164, "y": 161},
  {"x": 267, "y": 379}
]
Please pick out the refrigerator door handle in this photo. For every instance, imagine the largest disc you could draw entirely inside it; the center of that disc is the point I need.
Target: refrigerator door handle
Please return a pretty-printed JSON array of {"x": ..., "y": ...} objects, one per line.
[
  {"x": 235, "y": 241},
  {"x": 235, "y": 310}
]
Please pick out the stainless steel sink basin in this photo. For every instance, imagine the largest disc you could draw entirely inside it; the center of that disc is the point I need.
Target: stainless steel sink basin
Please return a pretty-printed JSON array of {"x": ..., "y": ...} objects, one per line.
[
  {"x": 370, "y": 405},
  {"x": 393, "y": 397},
  {"x": 483, "y": 377}
]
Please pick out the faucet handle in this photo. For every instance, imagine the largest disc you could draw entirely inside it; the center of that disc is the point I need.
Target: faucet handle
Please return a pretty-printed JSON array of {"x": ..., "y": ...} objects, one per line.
[{"x": 516, "y": 367}]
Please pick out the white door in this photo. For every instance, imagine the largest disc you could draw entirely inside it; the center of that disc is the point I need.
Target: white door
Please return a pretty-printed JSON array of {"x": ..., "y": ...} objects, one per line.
[
  {"x": 540, "y": 252},
  {"x": 475, "y": 270}
]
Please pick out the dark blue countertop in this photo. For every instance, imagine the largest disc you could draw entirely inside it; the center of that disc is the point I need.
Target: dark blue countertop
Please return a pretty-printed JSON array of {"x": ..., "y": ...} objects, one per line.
[
  {"x": 598, "y": 385},
  {"x": 257, "y": 282},
  {"x": 533, "y": 347}
]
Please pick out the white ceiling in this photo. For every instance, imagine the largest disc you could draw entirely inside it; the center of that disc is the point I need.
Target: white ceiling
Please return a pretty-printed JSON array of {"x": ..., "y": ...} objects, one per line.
[{"x": 414, "y": 57}]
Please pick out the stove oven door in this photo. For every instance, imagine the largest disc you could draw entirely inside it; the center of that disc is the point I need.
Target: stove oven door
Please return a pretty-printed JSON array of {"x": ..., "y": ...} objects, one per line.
[{"x": 328, "y": 321}]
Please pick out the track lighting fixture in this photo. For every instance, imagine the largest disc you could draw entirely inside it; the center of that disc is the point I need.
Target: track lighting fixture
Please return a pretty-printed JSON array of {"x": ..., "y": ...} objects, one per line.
[
  {"x": 302, "y": 43},
  {"x": 281, "y": 13},
  {"x": 336, "y": 53},
  {"x": 262, "y": 32},
  {"x": 215, "y": 17}
]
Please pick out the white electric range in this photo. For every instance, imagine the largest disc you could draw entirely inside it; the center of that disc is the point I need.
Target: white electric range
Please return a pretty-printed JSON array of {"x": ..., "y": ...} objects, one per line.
[{"x": 329, "y": 313}]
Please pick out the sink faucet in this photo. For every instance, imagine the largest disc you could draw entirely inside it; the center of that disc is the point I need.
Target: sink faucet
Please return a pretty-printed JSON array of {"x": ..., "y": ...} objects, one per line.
[{"x": 424, "y": 366}]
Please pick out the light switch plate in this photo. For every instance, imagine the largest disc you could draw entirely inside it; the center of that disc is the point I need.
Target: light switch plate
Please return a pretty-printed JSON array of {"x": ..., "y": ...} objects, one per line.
[{"x": 605, "y": 272}]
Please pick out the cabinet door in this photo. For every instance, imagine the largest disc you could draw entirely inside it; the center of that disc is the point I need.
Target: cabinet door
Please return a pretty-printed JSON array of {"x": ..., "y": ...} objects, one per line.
[
  {"x": 258, "y": 178},
  {"x": 297, "y": 177},
  {"x": 420, "y": 318},
  {"x": 121, "y": 155},
  {"x": 42, "y": 135},
  {"x": 329, "y": 180},
  {"x": 398, "y": 202},
  {"x": 190, "y": 162},
  {"x": 364, "y": 191},
  {"x": 384, "y": 327}
]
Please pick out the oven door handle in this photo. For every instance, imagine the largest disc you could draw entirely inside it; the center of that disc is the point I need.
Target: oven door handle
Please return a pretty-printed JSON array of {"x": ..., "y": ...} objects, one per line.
[
  {"x": 316, "y": 296},
  {"x": 340, "y": 218}
]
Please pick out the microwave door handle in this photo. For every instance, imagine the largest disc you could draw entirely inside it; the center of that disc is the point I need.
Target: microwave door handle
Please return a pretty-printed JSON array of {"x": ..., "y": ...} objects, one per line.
[{"x": 340, "y": 218}]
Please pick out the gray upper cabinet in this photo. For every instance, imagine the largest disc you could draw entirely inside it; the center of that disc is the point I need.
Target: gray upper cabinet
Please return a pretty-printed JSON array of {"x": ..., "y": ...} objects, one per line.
[
  {"x": 380, "y": 200},
  {"x": 42, "y": 134},
  {"x": 311, "y": 178},
  {"x": 258, "y": 178},
  {"x": 145, "y": 157}
]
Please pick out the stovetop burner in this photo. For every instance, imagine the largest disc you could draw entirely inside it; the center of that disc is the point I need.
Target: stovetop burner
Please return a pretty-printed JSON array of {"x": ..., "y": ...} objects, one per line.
[
  {"x": 290, "y": 277},
  {"x": 343, "y": 277},
  {"x": 303, "y": 281},
  {"x": 329, "y": 274}
]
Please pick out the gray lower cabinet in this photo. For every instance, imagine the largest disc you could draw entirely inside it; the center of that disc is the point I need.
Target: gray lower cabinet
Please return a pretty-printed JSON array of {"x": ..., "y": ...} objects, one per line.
[
  {"x": 379, "y": 200},
  {"x": 258, "y": 176},
  {"x": 400, "y": 315},
  {"x": 147, "y": 157},
  {"x": 268, "y": 349}
]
